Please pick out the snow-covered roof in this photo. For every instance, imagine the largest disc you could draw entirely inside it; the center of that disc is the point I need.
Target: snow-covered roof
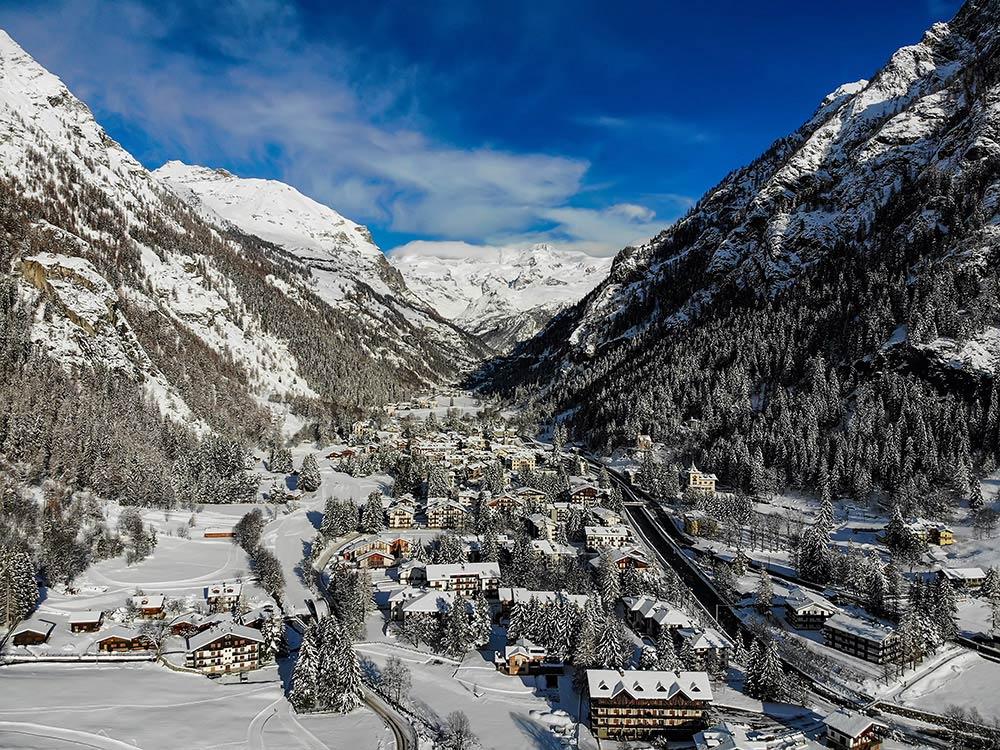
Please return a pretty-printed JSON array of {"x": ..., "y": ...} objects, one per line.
[
  {"x": 524, "y": 647},
  {"x": 455, "y": 570},
  {"x": 85, "y": 618},
  {"x": 206, "y": 637},
  {"x": 153, "y": 601},
  {"x": 118, "y": 631},
  {"x": 963, "y": 574},
  {"x": 869, "y": 631},
  {"x": 666, "y": 615},
  {"x": 799, "y": 599},
  {"x": 431, "y": 602},
  {"x": 34, "y": 625},
  {"x": 606, "y": 530},
  {"x": 545, "y": 547},
  {"x": 705, "y": 638},
  {"x": 648, "y": 685},
  {"x": 224, "y": 589},
  {"x": 851, "y": 723}
]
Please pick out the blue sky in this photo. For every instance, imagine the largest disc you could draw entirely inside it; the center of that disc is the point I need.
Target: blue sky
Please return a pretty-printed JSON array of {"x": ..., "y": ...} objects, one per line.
[{"x": 588, "y": 124}]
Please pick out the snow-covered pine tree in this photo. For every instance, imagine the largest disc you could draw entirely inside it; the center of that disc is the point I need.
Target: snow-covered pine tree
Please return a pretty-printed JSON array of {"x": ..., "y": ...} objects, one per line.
[
  {"x": 584, "y": 652},
  {"x": 273, "y": 632},
  {"x": 648, "y": 658},
  {"x": 280, "y": 461},
  {"x": 769, "y": 679},
  {"x": 687, "y": 656},
  {"x": 613, "y": 649},
  {"x": 309, "y": 475},
  {"x": 765, "y": 594},
  {"x": 455, "y": 632},
  {"x": 328, "y": 669},
  {"x": 608, "y": 581},
  {"x": 752, "y": 671},
  {"x": 349, "y": 687},
  {"x": 18, "y": 587},
  {"x": 372, "y": 515},
  {"x": 666, "y": 652},
  {"x": 306, "y": 673},
  {"x": 482, "y": 621},
  {"x": 945, "y": 609},
  {"x": 489, "y": 546}
]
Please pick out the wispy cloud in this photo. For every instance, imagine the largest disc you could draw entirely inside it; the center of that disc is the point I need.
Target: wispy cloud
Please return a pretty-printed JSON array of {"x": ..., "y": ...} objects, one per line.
[
  {"x": 247, "y": 89},
  {"x": 678, "y": 130}
]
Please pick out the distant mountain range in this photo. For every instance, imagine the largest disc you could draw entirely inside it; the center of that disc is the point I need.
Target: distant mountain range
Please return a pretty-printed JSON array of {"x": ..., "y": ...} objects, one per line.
[{"x": 503, "y": 295}]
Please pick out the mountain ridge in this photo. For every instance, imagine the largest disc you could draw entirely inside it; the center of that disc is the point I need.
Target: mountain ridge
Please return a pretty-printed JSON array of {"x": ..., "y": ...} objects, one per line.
[{"x": 862, "y": 244}]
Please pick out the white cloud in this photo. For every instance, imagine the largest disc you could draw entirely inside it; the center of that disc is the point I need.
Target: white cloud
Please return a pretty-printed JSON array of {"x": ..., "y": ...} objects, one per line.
[
  {"x": 266, "y": 95},
  {"x": 632, "y": 211}
]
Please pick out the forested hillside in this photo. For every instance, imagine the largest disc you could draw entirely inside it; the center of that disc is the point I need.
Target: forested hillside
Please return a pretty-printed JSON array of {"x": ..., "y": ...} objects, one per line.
[
  {"x": 146, "y": 348},
  {"x": 829, "y": 311}
]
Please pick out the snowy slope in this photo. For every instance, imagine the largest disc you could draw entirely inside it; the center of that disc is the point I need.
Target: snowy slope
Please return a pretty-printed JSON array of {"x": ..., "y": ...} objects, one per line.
[
  {"x": 273, "y": 323},
  {"x": 280, "y": 214},
  {"x": 504, "y": 295},
  {"x": 347, "y": 269}
]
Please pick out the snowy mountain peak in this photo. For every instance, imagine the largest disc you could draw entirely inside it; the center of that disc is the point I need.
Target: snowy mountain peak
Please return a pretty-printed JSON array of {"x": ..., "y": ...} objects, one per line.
[{"x": 502, "y": 294}]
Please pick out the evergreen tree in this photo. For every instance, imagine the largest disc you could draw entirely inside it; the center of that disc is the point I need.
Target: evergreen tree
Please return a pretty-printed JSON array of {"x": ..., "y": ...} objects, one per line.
[
  {"x": 769, "y": 679},
  {"x": 765, "y": 594},
  {"x": 666, "y": 652},
  {"x": 613, "y": 649},
  {"x": 18, "y": 587},
  {"x": 280, "y": 461},
  {"x": 482, "y": 621},
  {"x": 608, "y": 582},
  {"x": 309, "y": 476},
  {"x": 455, "y": 635},
  {"x": 305, "y": 673},
  {"x": 945, "y": 609},
  {"x": 372, "y": 515},
  {"x": 349, "y": 687},
  {"x": 648, "y": 658}
]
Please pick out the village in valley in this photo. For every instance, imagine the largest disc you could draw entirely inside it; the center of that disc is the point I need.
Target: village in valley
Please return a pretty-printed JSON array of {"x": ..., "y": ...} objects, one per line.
[{"x": 441, "y": 578}]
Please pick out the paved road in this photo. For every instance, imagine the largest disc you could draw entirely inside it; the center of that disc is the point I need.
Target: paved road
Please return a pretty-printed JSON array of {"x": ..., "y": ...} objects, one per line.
[{"x": 402, "y": 730}]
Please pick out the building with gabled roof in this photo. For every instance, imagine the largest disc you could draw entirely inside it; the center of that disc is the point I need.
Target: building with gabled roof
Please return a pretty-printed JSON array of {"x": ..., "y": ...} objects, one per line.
[
  {"x": 699, "y": 480},
  {"x": 465, "y": 578},
  {"x": 807, "y": 610},
  {"x": 31, "y": 632},
  {"x": 645, "y": 614},
  {"x": 637, "y": 704},
  {"x": 520, "y": 657},
  {"x": 118, "y": 639},
  {"x": 853, "y": 730},
  {"x": 149, "y": 606},
  {"x": 864, "y": 640},
  {"x": 88, "y": 621},
  {"x": 228, "y": 647},
  {"x": 599, "y": 537}
]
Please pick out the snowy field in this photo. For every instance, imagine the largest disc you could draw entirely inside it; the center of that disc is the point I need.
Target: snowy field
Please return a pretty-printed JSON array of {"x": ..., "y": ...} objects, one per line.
[
  {"x": 968, "y": 680},
  {"x": 147, "y": 706},
  {"x": 505, "y": 712}
]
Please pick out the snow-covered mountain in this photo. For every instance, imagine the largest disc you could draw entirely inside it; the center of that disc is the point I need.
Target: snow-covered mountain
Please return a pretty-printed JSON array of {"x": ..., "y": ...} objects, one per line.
[
  {"x": 503, "y": 295},
  {"x": 863, "y": 247},
  {"x": 257, "y": 291}
]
